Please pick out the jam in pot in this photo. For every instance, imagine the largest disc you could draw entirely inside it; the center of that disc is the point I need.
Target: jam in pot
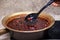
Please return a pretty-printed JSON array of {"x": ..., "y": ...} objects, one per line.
[{"x": 18, "y": 23}]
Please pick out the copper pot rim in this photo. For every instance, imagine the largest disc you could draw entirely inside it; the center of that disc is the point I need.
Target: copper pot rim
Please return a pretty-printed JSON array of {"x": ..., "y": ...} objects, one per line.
[{"x": 28, "y": 12}]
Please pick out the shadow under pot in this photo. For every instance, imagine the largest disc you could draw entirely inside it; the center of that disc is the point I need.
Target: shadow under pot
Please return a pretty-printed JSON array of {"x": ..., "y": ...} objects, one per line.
[{"x": 16, "y": 24}]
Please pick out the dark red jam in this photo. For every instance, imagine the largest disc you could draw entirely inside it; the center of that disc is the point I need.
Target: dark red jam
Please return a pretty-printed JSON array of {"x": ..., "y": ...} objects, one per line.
[{"x": 19, "y": 24}]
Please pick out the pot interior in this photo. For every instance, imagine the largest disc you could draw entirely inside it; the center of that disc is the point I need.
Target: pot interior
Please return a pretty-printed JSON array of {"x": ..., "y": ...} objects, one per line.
[{"x": 42, "y": 15}]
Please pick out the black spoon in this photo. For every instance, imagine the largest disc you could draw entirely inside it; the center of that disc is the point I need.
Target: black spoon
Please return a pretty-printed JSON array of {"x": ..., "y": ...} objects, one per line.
[{"x": 31, "y": 18}]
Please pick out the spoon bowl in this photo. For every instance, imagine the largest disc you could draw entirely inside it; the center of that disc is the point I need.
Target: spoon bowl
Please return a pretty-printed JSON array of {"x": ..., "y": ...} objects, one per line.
[{"x": 30, "y": 19}]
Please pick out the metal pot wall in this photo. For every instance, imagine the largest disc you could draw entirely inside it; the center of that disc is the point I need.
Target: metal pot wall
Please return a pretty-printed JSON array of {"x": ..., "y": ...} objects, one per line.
[{"x": 28, "y": 35}]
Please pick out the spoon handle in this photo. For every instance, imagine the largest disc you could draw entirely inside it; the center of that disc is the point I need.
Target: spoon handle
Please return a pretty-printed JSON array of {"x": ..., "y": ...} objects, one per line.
[{"x": 49, "y": 3}]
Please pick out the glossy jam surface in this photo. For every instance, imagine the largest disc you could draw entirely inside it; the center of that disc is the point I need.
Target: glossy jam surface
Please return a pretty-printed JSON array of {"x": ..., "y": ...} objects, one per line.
[{"x": 18, "y": 23}]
